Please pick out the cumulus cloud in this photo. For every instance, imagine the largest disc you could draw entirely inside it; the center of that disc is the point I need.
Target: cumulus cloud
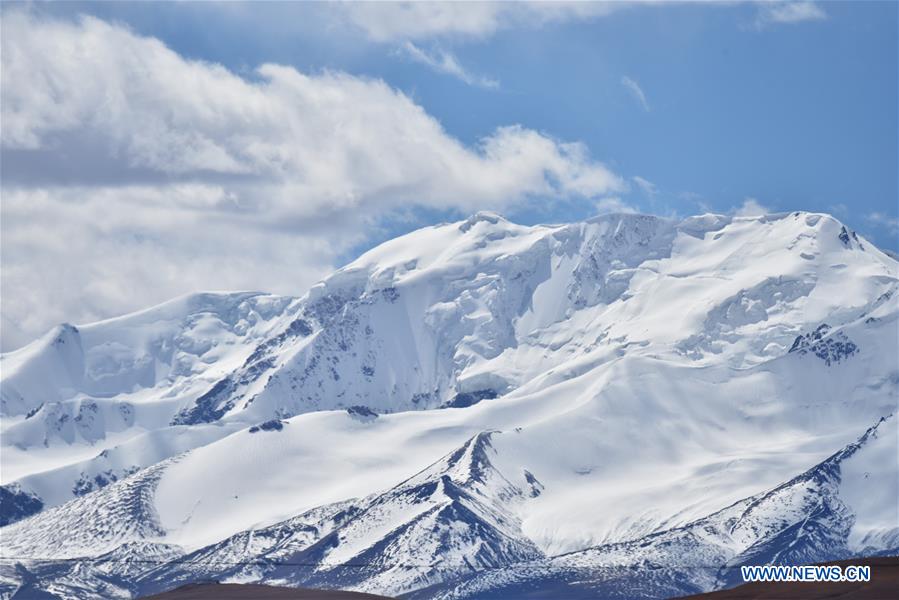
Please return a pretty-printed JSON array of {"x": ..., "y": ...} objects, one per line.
[
  {"x": 751, "y": 207},
  {"x": 613, "y": 205},
  {"x": 330, "y": 137},
  {"x": 444, "y": 61},
  {"x": 636, "y": 92},
  {"x": 131, "y": 174},
  {"x": 776, "y": 12},
  {"x": 399, "y": 21}
]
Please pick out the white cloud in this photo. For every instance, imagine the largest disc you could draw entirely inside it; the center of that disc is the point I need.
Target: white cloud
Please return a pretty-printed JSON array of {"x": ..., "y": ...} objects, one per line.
[
  {"x": 695, "y": 199},
  {"x": 132, "y": 174},
  {"x": 839, "y": 209},
  {"x": 751, "y": 208},
  {"x": 648, "y": 187},
  {"x": 890, "y": 223},
  {"x": 398, "y": 21},
  {"x": 775, "y": 12},
  {"x": 443, "y": 61},
  {"x": 613, "y": 204},
  {"x": 331, "y": 138},
  {"x": 636, "y": 92},
  {"x": 81, "y": 254}
]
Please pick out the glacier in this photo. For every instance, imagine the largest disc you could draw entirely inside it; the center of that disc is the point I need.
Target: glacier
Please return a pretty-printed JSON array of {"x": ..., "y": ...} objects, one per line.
[{"x": 626, "y": 407}]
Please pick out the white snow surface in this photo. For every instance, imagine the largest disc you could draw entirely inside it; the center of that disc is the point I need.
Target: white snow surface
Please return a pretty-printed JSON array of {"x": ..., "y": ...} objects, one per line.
[{"x": 641, "y": 367}]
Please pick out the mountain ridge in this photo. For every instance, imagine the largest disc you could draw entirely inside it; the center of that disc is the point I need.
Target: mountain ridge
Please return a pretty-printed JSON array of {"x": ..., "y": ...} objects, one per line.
[{"x": 533, "y": 355}]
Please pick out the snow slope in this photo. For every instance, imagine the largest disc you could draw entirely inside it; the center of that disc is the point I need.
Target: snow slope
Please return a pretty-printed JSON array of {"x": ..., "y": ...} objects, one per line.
[
  {"x": 561, "y": 391},
  {"x": 805, "y": 520},
  {"x": 84, "y": 406}
]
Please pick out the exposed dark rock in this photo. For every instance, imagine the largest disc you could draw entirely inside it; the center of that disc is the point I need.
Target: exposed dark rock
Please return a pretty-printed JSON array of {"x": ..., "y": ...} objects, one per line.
[
  {"x": 844, "y": 236},
  {"x": 390, "y": 294},
  {"x": 465, "y": 399},
  {"x": 272, "y": 425},
  {"x": 17, "y": 504},
  {"x": 362, "y": 412},
  {"x": 829, "y": 347},
  {"x": 86, "y": 484},
  {"x": 421, "y": 397},
  {"x": 536, "y": 486},
  {"x": 209, "y": 407}
]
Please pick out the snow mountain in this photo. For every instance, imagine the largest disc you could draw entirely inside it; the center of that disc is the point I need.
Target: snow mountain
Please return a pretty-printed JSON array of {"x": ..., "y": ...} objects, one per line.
[
  {"x": 626, "y": 407},
  {"x": 805, "y": 520}
]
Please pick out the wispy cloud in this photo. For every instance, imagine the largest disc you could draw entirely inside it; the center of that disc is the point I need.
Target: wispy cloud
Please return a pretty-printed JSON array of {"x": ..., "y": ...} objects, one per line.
[
  {"x": 648, "y": 187},
  {"x": 635, "y": 91},
  {"x": 890, "y": 223},
  {"x": 778, "y": 12},
  {"x": 399, "y": 21},
  {"x": 443, "y": 61},
  {"x": 751, "y": 207},
  {"x": 839, "y": 209},
  {"x": 613, "y": 204}
]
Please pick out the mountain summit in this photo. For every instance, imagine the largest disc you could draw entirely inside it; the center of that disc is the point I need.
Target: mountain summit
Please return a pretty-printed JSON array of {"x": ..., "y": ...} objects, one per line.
[{"x": 631, "y": 404}]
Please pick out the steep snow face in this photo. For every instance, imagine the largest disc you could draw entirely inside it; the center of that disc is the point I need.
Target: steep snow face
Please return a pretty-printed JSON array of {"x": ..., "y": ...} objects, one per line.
[
  {"x": 556, "y": 388},
  {"x": 153, "y": 348},
  {"x": 102, "y": 522},
  {"x": 480, "y": 307},
  {"x": 451, "y": 532},
  {"x": 808, "y": 519},
  {"x": 484, "y": 307},
  {"x": 88, "y": 405},
  {"x": 455, "y": 517}
]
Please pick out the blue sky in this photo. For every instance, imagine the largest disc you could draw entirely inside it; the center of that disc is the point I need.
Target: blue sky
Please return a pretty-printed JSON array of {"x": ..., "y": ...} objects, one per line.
[
  {"x": 797, "y": 115},
  {"x": 678, "y": 109}
]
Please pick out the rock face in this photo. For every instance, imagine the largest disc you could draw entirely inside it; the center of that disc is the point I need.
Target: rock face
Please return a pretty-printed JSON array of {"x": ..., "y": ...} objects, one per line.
[
  {"x": 629, "y": 406},
  {"x": 829, "y": 348},
  {"x": 802, "y": 521},
  {"x": 16, "y": 504}
]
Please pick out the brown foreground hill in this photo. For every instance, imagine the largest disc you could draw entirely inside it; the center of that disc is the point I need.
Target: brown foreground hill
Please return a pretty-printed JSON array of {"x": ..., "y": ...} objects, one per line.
[
  {"x": 884, "y": 585},
  {"x": 237, "y": 591}
]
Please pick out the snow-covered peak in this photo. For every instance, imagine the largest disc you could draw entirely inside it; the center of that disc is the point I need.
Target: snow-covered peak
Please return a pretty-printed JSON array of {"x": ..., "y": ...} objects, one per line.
[
  {"x": 495, "y": 303},
  {"x": 484, "y": 216},
  {"x": 447, "y": 248},
  {"x": 481, "y": 305},
  {"x": 443, "y": 318},
  {"x": 474, "y": 394},
  {"x": 139, "y": 350}
]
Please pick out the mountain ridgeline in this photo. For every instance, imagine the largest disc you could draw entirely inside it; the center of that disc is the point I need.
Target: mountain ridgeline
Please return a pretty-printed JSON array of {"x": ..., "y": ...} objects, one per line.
[{"x": 627, "y": 407}]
